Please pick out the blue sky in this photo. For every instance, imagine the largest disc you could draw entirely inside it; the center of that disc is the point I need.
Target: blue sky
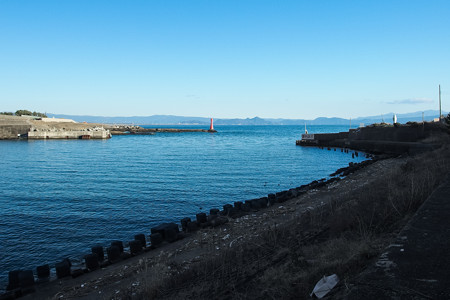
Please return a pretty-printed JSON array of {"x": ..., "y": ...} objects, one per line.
[{"x": 224, "y": 59}]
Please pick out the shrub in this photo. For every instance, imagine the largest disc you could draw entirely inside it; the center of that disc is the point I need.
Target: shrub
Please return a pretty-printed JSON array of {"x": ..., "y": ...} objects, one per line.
[{"x": 24, "y": 112}]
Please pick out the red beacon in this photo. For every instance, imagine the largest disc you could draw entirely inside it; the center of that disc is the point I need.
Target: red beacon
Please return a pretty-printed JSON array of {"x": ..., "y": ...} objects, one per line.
[{"x": 211, "y": 127}]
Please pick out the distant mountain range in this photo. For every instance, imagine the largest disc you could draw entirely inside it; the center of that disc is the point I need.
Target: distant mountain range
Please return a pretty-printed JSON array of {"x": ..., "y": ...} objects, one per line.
[{"x": 180, "y": 120}]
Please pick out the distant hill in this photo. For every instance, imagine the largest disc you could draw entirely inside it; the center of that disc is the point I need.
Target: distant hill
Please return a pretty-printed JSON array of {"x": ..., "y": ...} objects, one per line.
[
  {"x": 181, "y": 120},
  {"x": 141, "y": 120},
  {"x": 248, "y": 121},
  {"x": 317, "y": 121}
]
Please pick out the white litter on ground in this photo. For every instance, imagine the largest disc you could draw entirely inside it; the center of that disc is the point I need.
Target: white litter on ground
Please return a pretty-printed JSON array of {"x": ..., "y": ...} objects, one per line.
[{"x": 325, "y": 285}]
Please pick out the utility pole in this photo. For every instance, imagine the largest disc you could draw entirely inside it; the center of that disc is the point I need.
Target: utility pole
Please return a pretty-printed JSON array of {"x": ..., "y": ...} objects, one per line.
[{"x": 440, "y": 109}]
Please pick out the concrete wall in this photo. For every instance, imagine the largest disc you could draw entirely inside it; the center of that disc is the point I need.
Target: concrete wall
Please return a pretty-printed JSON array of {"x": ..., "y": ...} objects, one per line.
[
  {"x": 11, "y": 131},
  {"x": 330, "y": 136},
  {"x": 397, "y": 134},
  {"x": 101, "y": 134},
  {"x": 402, "y": 133},
  {"x": 52, "y": 120},
  {"x": 382, "y": 139},
  {"x": 11, "y": 126}
]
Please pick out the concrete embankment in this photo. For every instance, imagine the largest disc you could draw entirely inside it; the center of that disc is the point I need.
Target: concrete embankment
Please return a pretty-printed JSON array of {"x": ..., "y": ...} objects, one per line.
[
  {"x": 25, "y": 127},
  {"x": 13, "y": 127},
  {"x": 69, "y": 134},
  {"x": 382, "y": 138}
]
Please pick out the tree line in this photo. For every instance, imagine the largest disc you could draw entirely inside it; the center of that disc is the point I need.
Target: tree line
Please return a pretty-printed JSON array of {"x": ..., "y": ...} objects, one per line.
[{"x": 24, "y": 112}]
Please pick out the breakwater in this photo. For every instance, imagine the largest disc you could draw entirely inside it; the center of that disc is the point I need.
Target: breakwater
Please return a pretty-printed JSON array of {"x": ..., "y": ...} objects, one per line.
[
  {"x": 382, "y": 138},
  {"x": 138, "y": 130}
]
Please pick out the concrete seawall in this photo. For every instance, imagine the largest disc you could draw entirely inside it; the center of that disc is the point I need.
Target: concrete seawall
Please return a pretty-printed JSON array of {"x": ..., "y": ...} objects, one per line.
[
  {"x": 12, "y": 127},
  {"x": 409, "y": 138},
  {"x": 75, "y": 134},
  {"x": 13, "y": 131}
]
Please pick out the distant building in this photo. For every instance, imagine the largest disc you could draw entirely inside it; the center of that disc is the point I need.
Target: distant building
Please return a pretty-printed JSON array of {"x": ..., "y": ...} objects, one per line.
[
  {"x": 31, "y": 117},
  {"x": 58, "y": 120}
]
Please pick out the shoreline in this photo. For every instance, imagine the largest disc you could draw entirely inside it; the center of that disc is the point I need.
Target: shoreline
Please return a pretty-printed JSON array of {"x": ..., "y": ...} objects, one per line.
[{"x": 253, "y": 206}]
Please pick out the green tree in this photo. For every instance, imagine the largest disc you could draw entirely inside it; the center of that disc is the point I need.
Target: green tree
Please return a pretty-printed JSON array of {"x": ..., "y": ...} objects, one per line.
[
  {"x": 6, "y": 113},
  {"x": 23, "y": 112},
  {"x": 38, "y": 114}
]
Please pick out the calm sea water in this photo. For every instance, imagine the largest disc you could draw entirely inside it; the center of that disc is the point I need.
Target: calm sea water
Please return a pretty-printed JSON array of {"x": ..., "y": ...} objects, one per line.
[{"x": 60, "y": 197}]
